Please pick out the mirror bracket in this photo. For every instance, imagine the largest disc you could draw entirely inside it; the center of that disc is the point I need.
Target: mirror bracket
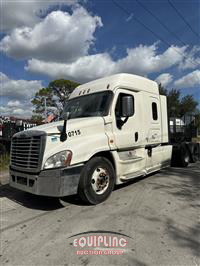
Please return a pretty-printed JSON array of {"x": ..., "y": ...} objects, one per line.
[
  {"x": 121, "y": 122},
  {"x": 63, "y": 135}
]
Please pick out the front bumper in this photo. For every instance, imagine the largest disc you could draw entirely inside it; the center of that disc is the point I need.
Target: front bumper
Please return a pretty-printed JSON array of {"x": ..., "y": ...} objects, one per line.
[{"x": 54, "y": 183}]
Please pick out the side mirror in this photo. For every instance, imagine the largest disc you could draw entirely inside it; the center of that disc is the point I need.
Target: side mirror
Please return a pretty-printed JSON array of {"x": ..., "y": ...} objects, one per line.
[
  {"x": 63, "y": 135},
  {"x": 127, "y": 106}
]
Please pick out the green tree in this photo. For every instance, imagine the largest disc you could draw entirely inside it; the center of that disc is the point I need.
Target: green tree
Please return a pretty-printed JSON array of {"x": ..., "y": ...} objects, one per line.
[
  {"x": 173, "y": 103},
  {"x": 197, "y": 119},
  {"x": 173, "y": 100},
  {"x": 55, "y": 95},
  {"x": 188, "y": 105},
  {"x": 178, "y": 107},
  {"x": 37, "y": 119},
  {"x": 62, "y": 89},
  {"x": 39, "y": 101}
]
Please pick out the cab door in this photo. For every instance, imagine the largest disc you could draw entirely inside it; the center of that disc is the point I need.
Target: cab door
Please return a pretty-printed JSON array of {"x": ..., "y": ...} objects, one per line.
[{"x": 128, "y": 133}]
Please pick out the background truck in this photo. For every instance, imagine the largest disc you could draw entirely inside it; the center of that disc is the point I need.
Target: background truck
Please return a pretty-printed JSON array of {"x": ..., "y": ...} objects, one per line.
[
  {"x": 113, "y": 130},
  {"x": 9, "y": 127}
]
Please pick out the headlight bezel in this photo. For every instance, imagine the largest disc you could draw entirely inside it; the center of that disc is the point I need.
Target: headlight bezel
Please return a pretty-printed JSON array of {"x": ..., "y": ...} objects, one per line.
[{"x": 58, "y": 160}]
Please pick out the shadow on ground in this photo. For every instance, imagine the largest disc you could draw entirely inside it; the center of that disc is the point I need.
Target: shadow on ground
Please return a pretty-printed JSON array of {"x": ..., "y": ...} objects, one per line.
[
  {"x": 182, "y": 184},
  {"x": 189, "y": 238},
  {"x": 28, "y": 200},
  {"x": 185, "y": 186},
  {"x": 48, "y": 203},
  {"x": 44, "y": 203}
]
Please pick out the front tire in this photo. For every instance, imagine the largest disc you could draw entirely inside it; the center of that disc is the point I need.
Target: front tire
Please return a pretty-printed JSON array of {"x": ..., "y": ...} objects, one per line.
[{"x": 97, "y": 180}]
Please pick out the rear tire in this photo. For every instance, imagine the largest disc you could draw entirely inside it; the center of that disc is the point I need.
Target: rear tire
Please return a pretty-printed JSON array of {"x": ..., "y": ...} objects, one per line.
[
  {"x": 97, "y": 180},
  {"x": 195, "y": 153},
  {"x": 185, "y": 156}
]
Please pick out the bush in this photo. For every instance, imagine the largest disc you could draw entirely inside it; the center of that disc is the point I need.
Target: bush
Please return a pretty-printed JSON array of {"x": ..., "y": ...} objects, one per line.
[{"x": 4, "y": 161}]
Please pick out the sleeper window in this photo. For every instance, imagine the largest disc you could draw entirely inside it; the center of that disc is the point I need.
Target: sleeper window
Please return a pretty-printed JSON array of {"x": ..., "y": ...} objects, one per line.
[{"x": 154, "y": 111}]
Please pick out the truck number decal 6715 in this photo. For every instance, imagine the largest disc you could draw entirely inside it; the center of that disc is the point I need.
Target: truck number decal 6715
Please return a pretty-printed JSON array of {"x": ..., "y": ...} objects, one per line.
[{"x": 74, "y": 133}]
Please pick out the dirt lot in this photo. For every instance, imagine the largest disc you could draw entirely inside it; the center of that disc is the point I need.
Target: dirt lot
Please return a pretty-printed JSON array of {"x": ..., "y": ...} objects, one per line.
[
  {"x": 4, "y": 177},
  {"x": 160, "y": 213}
]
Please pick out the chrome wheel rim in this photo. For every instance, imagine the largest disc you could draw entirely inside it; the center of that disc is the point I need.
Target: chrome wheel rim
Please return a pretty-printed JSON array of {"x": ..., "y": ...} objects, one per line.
[
  {"x": 187, "y": 159},
  {"x": 100, "y": 180}
]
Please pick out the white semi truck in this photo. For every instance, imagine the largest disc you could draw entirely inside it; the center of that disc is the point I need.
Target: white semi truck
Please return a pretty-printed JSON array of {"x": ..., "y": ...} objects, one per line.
[{"x": 113, "y": 130}]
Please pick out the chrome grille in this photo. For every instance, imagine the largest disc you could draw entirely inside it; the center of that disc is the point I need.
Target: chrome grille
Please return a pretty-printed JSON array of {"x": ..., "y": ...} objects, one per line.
[{"x": 25, "y": 152}]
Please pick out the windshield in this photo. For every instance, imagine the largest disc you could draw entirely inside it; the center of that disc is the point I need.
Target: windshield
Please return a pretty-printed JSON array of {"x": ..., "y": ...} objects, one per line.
[{"x": 96, "y": 104}]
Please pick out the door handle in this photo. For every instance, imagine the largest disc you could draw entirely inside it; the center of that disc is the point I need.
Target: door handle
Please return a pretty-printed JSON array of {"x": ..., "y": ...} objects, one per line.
[{"x": 136, "y": 136}]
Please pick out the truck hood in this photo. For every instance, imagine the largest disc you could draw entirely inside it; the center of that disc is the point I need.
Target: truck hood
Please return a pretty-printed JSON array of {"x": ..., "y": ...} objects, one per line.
[
  {"x": 72, "y": 124},
  {"x": 85, "y": 137}
]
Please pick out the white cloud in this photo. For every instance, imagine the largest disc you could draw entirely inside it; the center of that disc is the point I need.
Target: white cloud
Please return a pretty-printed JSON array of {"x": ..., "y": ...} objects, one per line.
[
  {"x": 146, "y": 59},
  {"x": 192, "y": 60},
  {"x": 141, "y": 60},
  {"x": 18, "y": 89},
  {"x": 17, "y": 13},
  {"x": 164, "y": 79},
  {"x": 13, "y": 103},
  {"x": 188, "y": 81},
  {"x": 24, "y": 112},
  {"x": 18, "y": 111},
  {"x": 60, "y": 37},
  {"x": 84, "y": 69},
  {"x": 3, "y": 77}
]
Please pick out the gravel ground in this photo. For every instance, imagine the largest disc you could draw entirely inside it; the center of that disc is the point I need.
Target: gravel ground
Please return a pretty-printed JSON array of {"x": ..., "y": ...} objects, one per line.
[
  {"x": 160, "y": 213},
  {"x": 4, "y": 177}
]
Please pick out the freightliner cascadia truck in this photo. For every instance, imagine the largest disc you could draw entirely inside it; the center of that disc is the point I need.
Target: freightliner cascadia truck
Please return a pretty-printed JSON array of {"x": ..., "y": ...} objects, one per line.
[{"x": 112, "y": 130}]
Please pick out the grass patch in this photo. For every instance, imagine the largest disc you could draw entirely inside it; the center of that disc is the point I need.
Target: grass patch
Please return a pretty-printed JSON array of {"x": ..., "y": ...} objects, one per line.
[
  {"x": 196, "y": 139},
  {"x": 4, "y": 161}
]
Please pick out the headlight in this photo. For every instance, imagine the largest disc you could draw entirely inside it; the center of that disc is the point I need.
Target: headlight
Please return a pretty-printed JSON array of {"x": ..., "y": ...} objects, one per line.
[{"x": 60, "y": 159}]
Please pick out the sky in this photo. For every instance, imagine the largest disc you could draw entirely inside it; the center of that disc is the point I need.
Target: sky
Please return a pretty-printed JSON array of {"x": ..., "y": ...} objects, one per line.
[{"x": 84, "y": 40}]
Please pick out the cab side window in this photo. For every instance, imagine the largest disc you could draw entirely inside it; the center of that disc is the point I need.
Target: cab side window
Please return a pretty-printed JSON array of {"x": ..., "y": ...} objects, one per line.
[{"x": 154, "y": 111}]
